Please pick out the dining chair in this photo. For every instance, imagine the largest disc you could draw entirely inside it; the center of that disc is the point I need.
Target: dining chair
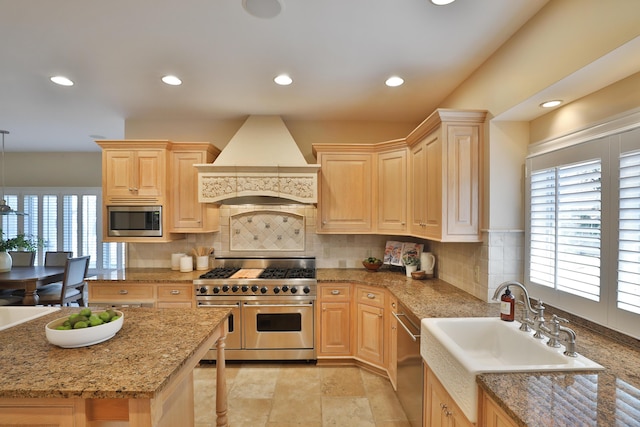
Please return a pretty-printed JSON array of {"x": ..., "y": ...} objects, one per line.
[
  {"x": 56, "y": 258},
  {"x": 22, "y": 258},
  {"x": 71, "y": 289}
]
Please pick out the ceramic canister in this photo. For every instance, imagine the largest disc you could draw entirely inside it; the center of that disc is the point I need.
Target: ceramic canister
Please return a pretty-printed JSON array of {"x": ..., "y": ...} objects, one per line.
[{"x": 175, "y": 260}]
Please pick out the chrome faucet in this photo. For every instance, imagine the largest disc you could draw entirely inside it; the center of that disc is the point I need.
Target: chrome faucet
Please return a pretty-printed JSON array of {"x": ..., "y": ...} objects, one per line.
[
  {"x": 538, "y": 322},
  {"x": 525, "y": 323}
]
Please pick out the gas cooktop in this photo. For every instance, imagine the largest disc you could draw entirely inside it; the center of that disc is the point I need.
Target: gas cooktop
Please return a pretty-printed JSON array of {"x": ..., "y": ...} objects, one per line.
[
  {"x": 254, "y": 273},
  {"x": 258, "y": 276}
]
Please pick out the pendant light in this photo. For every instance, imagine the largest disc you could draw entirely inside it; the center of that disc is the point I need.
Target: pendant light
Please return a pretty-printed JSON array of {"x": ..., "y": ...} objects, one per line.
[{"x": 4, "y": 208}]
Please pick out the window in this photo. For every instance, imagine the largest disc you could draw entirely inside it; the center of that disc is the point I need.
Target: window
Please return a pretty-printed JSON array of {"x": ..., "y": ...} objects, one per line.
[
  {"x": 66, "y": 219},
  {"x": 583, "y": 228}
]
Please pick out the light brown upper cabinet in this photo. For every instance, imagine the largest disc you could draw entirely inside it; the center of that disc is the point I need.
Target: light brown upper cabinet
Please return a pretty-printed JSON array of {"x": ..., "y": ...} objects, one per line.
[
  {"x": 445, "y": 191},
  {"x": 134, "y": 172},
  {"x": 392, "y": 188},
  {"x": 345, "y": 202},
  {"x": 363, "y": 188},
  {"x": 188, "y": 215}
]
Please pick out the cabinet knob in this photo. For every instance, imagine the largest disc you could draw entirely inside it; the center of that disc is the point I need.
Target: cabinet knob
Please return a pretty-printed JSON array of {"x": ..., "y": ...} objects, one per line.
[
  {"x": 335, "y": 292},
  {"x": 371, "y": 296},
  {"x": 123, "y": 292},
  {"x": 175, "y": 292}
]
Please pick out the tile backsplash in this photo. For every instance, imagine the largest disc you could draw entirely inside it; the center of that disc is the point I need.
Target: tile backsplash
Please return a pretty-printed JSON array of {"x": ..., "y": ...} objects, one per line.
[
  {"x": 266, "y": 230},
  {"x": 261, "y": 230}
]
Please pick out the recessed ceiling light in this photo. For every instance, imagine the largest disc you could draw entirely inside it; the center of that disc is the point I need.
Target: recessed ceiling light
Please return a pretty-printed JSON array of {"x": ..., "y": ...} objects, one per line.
[
  {"x": 265, "y": 9},
  {"x": 283, "y": 80},
  {"x": 394, "y": 81},
  {"x": 442, "y": 2},
  {"x": 551, "y": 104},
  {"x": 172, "y": 80},
  {"x": 62, "y": 81}
]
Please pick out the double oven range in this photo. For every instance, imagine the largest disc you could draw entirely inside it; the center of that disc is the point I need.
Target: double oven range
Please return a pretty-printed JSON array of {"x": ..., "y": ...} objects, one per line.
[{"x": 272, "y": 302}]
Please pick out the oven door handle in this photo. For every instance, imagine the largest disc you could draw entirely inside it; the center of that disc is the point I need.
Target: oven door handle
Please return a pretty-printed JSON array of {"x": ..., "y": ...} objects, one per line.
[
  {"x": 236, "y": 305},
  {"x": 411, "y": 334},
  {"x": 277, "y": 305}
]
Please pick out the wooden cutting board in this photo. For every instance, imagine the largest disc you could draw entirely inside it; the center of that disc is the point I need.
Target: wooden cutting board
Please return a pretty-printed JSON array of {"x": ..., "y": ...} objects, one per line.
[{"x": 247, "y": 273}]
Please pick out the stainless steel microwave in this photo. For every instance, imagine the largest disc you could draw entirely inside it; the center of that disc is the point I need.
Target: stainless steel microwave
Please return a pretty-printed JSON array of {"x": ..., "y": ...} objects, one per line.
[{"x": 134, "y": 221}]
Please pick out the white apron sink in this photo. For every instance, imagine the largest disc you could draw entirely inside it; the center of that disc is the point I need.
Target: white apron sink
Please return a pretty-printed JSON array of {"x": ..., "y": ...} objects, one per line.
[
  {"x": 458, "y": 349},
  {"x": 12, "y": 316}
]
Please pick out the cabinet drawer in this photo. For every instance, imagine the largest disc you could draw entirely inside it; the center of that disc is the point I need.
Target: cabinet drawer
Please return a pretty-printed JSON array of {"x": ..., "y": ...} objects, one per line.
[
  {"x": 370, "y": 296},
  {"x": 335, "y": 292},
  {"x": 120, "y": 292},
  {"x": 176, "y": 293}
]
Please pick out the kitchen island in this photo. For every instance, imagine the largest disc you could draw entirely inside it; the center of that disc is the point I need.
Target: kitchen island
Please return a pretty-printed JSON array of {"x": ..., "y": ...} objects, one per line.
[{"x": 143, "y": 376}]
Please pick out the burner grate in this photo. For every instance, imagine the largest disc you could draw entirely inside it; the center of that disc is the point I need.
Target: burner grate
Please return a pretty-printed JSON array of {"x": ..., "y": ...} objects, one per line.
[
  {"x": 301, "y": 273},
  {"x": 220, "y": 273},
  {"x": 273, "y": 273}
]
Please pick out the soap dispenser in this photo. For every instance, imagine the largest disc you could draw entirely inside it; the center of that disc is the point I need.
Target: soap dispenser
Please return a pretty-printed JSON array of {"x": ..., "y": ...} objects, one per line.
[{"x": 507, "y": 306}]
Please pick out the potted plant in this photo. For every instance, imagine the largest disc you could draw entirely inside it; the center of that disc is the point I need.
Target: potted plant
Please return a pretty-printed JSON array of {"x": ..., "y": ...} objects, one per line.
[
  {"x": 21, "y": 242},
  {"x": 410, "y": 261}
]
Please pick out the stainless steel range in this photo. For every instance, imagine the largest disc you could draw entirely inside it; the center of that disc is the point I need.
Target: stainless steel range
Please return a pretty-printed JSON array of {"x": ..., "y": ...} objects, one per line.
[{"x": 273, "y": 306}]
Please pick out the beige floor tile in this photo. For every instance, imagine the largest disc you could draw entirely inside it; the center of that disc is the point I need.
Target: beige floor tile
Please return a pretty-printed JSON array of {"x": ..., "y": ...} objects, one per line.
[
  {"x": 346, "y": 411},
  {"x": 249, "y": 412},
  {"x": 341, "y": 381},
  {"x": 298, "y": 394},
  {"x": 303, "y": 409},
  {"x": 254, "y": 382},
  {"x": 298, "y": 380}
]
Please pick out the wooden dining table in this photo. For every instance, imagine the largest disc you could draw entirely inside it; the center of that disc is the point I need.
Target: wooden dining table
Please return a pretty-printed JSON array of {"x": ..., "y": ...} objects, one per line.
[{"x": 30, "y": 279}]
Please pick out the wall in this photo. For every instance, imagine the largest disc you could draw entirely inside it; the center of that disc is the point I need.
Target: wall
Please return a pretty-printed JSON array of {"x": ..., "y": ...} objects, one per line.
[
  {"x": 608, "y": 102},
  {"x": 41, "y": 169},
  {"x": 305, "y": 133}
]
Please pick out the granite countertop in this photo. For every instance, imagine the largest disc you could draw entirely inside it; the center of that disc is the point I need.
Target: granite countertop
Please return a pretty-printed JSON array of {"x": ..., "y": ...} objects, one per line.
[
  {"x": 596, "y": 398},
  {"x": 138, "y": 362}
]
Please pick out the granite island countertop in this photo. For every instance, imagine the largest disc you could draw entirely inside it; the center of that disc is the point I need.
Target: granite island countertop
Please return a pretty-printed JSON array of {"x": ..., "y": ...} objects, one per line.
[
  {"x": 138, "y": 362},
  {"x": 597, "y": 398}
]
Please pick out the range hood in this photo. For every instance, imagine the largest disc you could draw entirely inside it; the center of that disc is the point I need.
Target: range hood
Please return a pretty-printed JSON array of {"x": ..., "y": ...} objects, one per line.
[{"x": 261, "y": 164}]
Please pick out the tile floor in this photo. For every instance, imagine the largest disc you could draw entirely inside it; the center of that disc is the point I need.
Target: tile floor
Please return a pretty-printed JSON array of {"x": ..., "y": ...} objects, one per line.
[{"x": 298, "y": 394}]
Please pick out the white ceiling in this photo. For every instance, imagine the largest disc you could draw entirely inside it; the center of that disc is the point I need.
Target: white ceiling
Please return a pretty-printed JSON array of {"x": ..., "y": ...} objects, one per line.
[{"x": 339, "y": 53}]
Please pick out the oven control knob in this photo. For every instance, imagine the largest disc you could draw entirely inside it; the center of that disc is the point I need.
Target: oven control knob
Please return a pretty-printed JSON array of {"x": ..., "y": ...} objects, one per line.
[
  {"x": 245, "y": 288},
  {"x": 294, "y": 289},
  {"x": 216, "y": 290},
  {"x": 203, "y": 290},
  {"x": 306, "y": 290},
  {"x": 285, "y": 288},
  {"x": 225, "y": 288},
  {"x": 235, "y": 288},
  {"x": 264, "y": 289},
  {"x": 276, "y": 290},
  {"x": 254, "y": 288}
]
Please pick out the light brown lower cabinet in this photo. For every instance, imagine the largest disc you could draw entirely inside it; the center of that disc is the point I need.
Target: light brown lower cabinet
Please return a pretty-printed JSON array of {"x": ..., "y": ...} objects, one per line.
[
  {"x": 440, "y": 410},
  {"x": 370, "y": 303},
  {"x": 160, "y": 295},
  {"x": 334, "y": 320},
  {"x": 491, "y": 415}
]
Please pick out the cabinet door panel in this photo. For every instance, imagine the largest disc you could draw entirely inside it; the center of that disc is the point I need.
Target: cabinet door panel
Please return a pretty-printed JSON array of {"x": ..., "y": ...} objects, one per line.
[
  {"x": 119, "y": 167},
  {"x": 335, "y": 328},
  {"x": 371, "y": 334},
  {"x": 150, "y": 172},
  {"x": 187, "y": 211},
  {"x": 433, "y": 177},
  {"x": 346, "y": 192},
  {"x": 392, "y": 191},
  {"x": 463, "y": 186}
]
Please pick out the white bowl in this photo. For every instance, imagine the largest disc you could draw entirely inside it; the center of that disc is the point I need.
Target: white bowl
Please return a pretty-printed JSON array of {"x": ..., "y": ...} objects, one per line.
[{"x": 82, "y": 337}]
